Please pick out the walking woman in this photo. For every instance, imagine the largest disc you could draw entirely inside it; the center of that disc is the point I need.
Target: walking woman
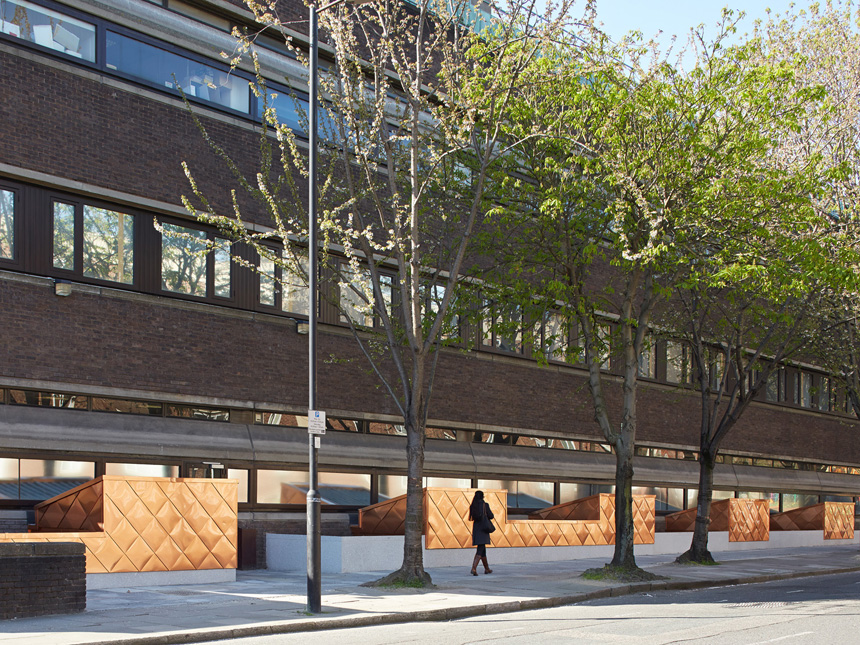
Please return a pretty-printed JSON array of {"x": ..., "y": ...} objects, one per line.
[{"x": 480, "y": 515}]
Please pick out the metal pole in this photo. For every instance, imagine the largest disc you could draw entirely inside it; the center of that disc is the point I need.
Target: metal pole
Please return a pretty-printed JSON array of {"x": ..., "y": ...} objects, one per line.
[{"x": 313, "y": 499}]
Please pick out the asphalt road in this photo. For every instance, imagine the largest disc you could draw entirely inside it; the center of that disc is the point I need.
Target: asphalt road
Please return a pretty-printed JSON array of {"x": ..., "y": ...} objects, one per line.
[{"x": 810, "y": 611}]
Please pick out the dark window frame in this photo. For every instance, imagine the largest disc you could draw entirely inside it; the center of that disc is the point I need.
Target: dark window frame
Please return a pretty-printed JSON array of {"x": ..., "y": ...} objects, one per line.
[
  {"x": 211, "y": 234},
  {"x": 18, "y": 242},
  {"x": 77, "y": 274}
]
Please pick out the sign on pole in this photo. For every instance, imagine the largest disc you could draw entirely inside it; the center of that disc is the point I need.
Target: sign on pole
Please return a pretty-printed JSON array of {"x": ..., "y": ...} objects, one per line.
[{"x": 316, "y": 422}]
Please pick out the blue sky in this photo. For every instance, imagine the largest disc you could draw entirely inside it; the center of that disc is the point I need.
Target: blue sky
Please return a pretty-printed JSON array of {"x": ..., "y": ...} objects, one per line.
[{"x": 677, "y": 16}]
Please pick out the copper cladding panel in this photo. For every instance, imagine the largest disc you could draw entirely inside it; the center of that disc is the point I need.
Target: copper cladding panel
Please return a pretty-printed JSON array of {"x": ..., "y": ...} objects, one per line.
[
  {"x": 686, "y": 520},
  {"x": 749, "y": 520},
  {"x": 446, "y": 523},
  {"x": 150, "y": 524},
  {"x": 835, "y": 519}
]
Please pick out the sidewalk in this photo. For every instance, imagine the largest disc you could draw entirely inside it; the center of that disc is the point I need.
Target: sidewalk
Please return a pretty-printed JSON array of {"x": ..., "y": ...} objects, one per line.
[{"x": 263, "y": 602}]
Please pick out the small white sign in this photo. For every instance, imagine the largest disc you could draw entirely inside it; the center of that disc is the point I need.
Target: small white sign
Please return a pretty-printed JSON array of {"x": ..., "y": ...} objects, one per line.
[{"x": 316, "y": 422}]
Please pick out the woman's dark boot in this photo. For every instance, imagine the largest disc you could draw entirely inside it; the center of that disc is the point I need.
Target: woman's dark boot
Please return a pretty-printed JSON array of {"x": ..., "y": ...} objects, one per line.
[
  {"x": 475, "y": 562},
  {"x": 486, "y": 566}
]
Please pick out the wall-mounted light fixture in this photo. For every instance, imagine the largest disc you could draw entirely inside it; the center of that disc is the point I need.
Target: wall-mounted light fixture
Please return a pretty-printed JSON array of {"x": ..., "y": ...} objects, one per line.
[
  {"x": 62, "y": 288},
  {"x": 302, "y": 327}
]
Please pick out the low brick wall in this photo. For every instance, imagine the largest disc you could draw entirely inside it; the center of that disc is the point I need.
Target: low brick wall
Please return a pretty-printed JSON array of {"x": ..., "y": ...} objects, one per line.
[{"x": 41, "y": 578}]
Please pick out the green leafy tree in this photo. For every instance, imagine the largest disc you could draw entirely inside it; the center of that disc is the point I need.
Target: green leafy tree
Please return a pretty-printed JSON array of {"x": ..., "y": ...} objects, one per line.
[{"x": 650, "y": 166}]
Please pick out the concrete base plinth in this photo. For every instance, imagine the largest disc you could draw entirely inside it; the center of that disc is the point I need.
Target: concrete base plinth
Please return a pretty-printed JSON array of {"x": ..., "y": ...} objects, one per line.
[
  {"x": 159, "y": 578},
  {"x": 384, "y": 553}
]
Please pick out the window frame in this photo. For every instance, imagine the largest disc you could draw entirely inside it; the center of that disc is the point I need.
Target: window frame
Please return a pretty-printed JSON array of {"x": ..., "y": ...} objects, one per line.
[
  {"x": 77, "y": 273},
  {"x": 18, "y": 242},
  {"x": 211, "y": 235}
]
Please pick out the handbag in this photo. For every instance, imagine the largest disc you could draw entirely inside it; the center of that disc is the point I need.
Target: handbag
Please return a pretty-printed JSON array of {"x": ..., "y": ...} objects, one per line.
[{"x": 486, "y": 523}]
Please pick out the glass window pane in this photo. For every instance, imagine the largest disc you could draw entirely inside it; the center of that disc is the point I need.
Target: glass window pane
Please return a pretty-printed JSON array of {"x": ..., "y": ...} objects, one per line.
[
  {"x": 9, "y": 488},
  {"x": 48, "y": 28},
  {"x": 64, "y": 236},
  {"x": 126, "y": 406},
  {"x": 534, "y": 494},
  {"x": 7, "y": 224},
  {"x": 573, "y": 492},
  {"x": 48, "y": 399},
  {"x": 646, "y": 360},
  {"x": 222, "y": 272},
  {"x": 290, "y": 111},
  {"x": 183, "y": 261},
  {"x": 674, "y": 362},
  {"x": 267, "y": 282},
  {"x": 344, "y": 489},
  {"x": 447, "y": 482},
  {"x": 282, "y": 487},
  {"x": 555, "y": 337},
  {"x": 173, "y": 71},
  {"x": 356, "y": 297},
  {"x": 108, "y": 245},
  {"x": 295, "y": 289},
  {"x": 242, "y": 476},
  {"x": 391, "y": 486},
  {"x": 43, "y": 479},
  {"x": 142, "y": 470},
  {"x": 806, "y": 389},
  {"x": 824, "y": 394}
]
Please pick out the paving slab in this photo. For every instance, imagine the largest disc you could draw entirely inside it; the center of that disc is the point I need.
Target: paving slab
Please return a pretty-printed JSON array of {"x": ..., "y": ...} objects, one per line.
[{"x": 265, "y": 602}]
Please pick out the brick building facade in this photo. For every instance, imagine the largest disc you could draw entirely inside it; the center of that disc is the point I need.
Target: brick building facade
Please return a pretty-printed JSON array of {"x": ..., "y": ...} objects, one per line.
[{"x": 141, "y": 375}]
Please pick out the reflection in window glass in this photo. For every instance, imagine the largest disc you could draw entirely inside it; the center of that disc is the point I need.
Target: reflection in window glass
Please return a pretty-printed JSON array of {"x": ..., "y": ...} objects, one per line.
[
  {"x": 222, "y": 272},
  {"x": 108, "y": 245},
  {"x": 48, "y": 399},
  {"x": 282, "y": 487},
  {"x": 806, "y": 389},
  {"x": 573, "y": 492},
  {"x": 772, "y": 389},
  {"x": 356, "y": 296},
  {"x": 242, "y": 476},
  {"x": 555, "y": 337},
  {"x": 126, "y": 406},
  {"x": 142, "y": 470},
  {"x": 169, "y": 70},
  {"x": 48, "y": 28},
  {"x": 267, "y": 282},
  {"x": 824, "y": 394},
  {"x": 64, "y": 236},
  {"x": 391, "y": 486},
  {"x": 43, "y": 479},
  {"x": 183, "y": 261},
  {"x": 646, "y": 360},
  {"x": 7, "y": 224},
  {"x": 294, "y": 289},
  {"x": 675, "y": 364},
  {"x": 447, "y": 482},
  {"x": 344, "y": 489},
  {"x": 290, "y": 111}
]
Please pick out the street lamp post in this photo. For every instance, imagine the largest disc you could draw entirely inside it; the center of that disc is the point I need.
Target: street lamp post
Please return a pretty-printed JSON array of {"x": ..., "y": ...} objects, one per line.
[
  {"x": 314, "y": 604},
  {"x": 313, "y": 498}
]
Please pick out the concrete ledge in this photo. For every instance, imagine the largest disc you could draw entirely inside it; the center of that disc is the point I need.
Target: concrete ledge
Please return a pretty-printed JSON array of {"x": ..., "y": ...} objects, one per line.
[
  {"x": 353, "y": 554},
  {"x": 159, "y": 578}
]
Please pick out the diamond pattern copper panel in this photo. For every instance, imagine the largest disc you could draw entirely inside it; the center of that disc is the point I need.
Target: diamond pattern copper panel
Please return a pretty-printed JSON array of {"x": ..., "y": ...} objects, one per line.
[
  {"x": 144, "y": 523},
  {"x": 746, "y": 520},
  {"x": 589, "y": 521},
  {"x": 749, "y": 520},
  {"x": 835, "y": 519}
]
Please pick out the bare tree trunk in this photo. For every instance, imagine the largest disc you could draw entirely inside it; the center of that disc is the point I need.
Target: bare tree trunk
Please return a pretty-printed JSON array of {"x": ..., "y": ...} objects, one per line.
[
  {"x": 413, "y": 559},
  {"x": 411, "y": 572},
  {"x": 624, "y": 532},
  {"x": 698, "y": 551}
]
